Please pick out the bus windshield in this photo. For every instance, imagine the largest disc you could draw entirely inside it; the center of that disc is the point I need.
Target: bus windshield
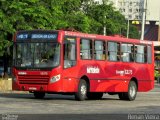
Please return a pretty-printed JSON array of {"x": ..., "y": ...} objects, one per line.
[{"x": 36, "y": 55}]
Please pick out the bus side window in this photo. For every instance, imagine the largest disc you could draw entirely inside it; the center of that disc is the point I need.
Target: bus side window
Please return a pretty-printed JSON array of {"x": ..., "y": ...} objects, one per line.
[
  {"x": 149, "y": 54},
  {"x": 141, "y": 53},
  {"x": 69, "y": 52},
  {"x": 127, "y": 52},
  {"x": 99, "y": 50},
  {"x": 113, "y": 51},
  {"x": 86, "y": 49}
]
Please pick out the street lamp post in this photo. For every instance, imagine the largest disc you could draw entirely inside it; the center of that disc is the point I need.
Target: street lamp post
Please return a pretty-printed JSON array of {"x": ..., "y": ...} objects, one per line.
[
  {"x": 143, "y": 20},
  {"x": 128, "y": 29},
  {"x": 128, "y": 20},
  {"x": 104, "y": 28}
]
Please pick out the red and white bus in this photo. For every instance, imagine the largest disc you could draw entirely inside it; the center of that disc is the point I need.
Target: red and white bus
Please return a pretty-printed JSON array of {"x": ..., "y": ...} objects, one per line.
[{"x": 85, "y": 65}]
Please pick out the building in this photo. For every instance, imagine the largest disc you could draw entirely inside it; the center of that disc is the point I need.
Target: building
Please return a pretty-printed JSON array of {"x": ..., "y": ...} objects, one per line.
[{"x": 132, "y": 9}]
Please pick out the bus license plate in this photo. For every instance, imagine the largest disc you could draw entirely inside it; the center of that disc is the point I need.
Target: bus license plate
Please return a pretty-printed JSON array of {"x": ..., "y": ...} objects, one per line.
[{"x": 32, "y": 88}]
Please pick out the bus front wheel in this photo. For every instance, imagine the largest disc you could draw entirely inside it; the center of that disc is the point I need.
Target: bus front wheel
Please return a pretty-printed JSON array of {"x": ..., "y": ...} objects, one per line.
[
  {"x": 131, "y": 94},
  {"x": 81, "y": 94},
  {"x": 39, "y": 95}
]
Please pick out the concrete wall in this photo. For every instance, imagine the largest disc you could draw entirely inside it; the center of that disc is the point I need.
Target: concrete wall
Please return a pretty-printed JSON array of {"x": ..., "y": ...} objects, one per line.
[
  {"x": 5, "y": 85},
  {"x": 153, "y": 10}
]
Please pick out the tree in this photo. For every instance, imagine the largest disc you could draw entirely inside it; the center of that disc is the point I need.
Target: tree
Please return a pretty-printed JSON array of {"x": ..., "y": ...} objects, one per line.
[
  {"x": 106, "y": 15},
  {"x": 134, "y": 33}
]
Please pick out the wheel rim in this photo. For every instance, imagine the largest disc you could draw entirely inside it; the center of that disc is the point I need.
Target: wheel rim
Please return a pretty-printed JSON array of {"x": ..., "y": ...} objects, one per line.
[
  {"x": 83, "y": 90},
  {"x": 132, "y": 91}
]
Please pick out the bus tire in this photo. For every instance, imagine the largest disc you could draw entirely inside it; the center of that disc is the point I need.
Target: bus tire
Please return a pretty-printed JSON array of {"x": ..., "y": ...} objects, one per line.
[
  {"x": 131, "y": 94},
  {"x": 39, "y": 95},
  {"x": 132, "y": 91},
  {"x": 95, "y": 95},
  {"x": 81, "y": 94}
]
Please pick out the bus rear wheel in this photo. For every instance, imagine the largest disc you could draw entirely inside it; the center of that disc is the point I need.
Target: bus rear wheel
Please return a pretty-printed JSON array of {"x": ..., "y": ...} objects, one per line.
[
  {"x": 81, "y": 94},
  {"x": 39, "y": 95},
  {"x": 94, "y": 95},
  {"x": 131, "y": 94}
]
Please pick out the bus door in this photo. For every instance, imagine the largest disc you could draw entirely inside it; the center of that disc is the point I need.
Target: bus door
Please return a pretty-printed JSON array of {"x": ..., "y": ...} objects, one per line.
[{"x": 69, "y": 63}]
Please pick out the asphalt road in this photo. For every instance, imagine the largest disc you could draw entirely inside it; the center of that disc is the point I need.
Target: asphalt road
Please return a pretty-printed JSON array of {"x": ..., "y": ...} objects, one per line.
[{"x": 24, "y": 105}]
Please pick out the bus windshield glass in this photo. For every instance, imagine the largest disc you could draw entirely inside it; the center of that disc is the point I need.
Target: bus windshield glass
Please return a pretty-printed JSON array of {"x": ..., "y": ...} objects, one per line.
[{"x": 36, "y": 55}]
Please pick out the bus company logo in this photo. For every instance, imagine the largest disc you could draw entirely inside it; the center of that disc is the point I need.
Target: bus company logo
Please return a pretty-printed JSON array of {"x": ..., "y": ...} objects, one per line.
[
  {"x": 22, "y": 73},
  {"x": 43, "y": 73},
  {"x": 124, "y": 72},
  {"x": 93, "y": 69}
]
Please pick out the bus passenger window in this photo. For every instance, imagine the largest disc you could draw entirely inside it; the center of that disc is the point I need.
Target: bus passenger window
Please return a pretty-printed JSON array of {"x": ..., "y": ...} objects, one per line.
[
  {"x": 99, "y": 50},
  {"x": 149, "y": 54},
  {"x": 86, "y": 49},
  {"x": 113, "y": 51},
  {"x": 127, "y": 52},
  {"x": 140, "y": 53},
  {"x": 69, "y": 52}
]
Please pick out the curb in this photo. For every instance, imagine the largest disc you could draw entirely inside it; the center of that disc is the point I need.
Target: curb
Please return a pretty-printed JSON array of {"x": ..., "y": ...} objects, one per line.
[{"x": 17, "y": 92}]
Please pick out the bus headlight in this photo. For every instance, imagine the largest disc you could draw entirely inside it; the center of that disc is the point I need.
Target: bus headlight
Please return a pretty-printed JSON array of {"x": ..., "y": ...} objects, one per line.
[{"x": 55, "y": 78}]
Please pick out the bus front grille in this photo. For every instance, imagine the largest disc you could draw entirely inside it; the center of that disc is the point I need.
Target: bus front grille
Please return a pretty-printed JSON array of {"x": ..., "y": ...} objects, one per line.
[{"x": 42, "y": 80}]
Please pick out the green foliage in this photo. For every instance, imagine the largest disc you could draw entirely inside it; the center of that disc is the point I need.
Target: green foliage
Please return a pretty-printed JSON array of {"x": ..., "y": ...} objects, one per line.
[
  {"x": 156, "y": 74},
  {"x": 105, "y": 15},
  {"x": 134, "y": 32},
  {"x": 82, "y": 15}
]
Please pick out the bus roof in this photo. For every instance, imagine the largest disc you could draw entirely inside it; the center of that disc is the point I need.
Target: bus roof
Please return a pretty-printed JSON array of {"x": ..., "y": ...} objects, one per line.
[{"x": 102, "y": 37}]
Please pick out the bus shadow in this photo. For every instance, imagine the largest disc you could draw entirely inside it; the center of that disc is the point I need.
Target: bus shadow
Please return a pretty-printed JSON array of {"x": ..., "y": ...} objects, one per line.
[
  {"x": 109, "y": 99},
  {"x": 31, "y": 96},
  {"x": 48, "y": 97},
  {"x": 15, "y": 95}
]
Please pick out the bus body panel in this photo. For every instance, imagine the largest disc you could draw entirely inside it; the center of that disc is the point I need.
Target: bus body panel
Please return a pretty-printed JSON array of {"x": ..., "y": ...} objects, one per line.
[
  {"x": 70, "y": 79},
  {"x": 116, "y": 77}
]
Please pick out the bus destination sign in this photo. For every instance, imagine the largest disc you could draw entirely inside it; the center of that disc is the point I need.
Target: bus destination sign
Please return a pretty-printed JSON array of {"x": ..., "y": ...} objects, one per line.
[{"x": 27, "y": 36}]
